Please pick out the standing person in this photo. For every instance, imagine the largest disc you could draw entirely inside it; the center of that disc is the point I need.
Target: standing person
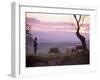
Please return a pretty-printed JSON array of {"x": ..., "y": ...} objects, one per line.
[{"x": 35, "y": 45}]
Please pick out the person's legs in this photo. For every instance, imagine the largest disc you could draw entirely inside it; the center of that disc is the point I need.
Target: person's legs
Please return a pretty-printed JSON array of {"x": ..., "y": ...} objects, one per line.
[{"x": 35, "y": 49}]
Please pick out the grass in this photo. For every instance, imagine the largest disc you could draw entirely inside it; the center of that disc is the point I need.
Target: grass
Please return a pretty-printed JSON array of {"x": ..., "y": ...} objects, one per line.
[{"x": 55, "y": 59}]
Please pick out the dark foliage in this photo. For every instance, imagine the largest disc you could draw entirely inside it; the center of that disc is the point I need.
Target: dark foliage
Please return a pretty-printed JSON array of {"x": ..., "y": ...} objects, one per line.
[{"x": 54, "y": 50}]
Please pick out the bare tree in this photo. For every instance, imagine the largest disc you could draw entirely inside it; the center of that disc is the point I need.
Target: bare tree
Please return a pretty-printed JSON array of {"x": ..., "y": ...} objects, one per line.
[{"x": 79, "y": 24}]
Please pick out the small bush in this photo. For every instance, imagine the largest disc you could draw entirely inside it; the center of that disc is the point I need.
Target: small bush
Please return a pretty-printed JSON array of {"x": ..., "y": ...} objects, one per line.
[
  {"x": 54, "y": 50},
  {"x": 73, "y": 50}
]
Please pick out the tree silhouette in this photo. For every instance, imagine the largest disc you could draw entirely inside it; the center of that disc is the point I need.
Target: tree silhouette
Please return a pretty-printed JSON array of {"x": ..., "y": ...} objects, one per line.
[
  {"x": 29, "y": 39},
  {"x": 81, "y": 38}
]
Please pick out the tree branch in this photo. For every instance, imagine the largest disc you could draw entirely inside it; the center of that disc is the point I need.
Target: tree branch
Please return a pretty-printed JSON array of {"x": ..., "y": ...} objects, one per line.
[
  {"x": 75, "y": 18},
  {"x": 82, "y": 20}
]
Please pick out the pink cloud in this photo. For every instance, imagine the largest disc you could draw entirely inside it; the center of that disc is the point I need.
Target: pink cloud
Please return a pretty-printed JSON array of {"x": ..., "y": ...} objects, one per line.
[{"x": 39, "y": 25}]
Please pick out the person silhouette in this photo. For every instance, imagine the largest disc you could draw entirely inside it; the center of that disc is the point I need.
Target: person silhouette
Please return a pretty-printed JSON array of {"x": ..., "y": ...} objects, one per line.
[{"x": 35, "y": 45}]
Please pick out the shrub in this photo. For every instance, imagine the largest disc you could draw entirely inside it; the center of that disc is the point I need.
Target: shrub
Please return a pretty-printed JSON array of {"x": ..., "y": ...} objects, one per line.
[
  {"x": 79, "y": 47},
  {"x": 54, "y": 50}
]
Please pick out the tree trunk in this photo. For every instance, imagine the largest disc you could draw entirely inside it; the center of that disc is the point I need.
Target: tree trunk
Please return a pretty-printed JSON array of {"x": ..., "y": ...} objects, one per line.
[{"x": 82, "y": 38}]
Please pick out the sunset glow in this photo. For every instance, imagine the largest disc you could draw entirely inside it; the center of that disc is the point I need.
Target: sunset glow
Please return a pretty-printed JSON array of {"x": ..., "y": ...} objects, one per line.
[{"x": 53, "y": 22}]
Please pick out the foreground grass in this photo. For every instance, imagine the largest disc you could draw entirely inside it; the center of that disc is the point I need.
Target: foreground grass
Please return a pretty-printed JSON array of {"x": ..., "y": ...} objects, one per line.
[{"x": 54, "y": 59}]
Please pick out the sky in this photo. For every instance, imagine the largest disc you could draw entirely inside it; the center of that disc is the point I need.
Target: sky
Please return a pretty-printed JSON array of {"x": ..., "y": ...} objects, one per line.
[
  {"x": 56, "y": 28},
  {"x": 55, "y": 22}
]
